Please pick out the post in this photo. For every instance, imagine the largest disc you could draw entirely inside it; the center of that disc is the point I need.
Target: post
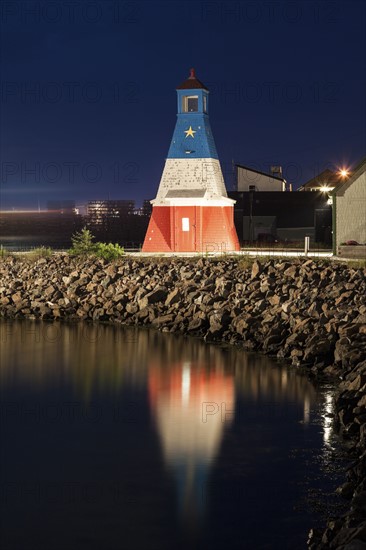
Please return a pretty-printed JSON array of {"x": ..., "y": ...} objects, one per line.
[
  {"x": 334, "y": 224},
  {"x": 251, "y": 232},
  {"x": 307, "y": 246}
]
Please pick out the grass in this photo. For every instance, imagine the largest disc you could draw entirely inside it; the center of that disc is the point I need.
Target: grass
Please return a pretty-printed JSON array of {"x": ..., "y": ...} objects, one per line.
[
  {"x": 4, "y": 253},
  {"x": 246, "y": 262},
  {"x": 36, "y": 254}
]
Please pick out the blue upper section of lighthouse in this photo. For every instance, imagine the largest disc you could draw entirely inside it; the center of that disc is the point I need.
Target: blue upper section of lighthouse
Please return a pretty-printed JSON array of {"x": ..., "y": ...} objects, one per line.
[{"x": 192, "y": 137}]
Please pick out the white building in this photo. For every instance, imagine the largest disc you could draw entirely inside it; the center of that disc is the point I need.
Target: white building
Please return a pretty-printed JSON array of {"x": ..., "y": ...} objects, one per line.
[
  {"x": 349, "y": 208},
  {"x": 249, "y": 179}
]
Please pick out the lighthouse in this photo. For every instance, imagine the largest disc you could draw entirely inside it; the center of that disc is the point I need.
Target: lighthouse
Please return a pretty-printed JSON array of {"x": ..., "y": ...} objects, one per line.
[{"x": 191, "y": 211}]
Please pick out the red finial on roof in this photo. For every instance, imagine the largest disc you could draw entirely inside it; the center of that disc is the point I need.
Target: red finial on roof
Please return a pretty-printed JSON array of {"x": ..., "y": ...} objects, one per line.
[{"x": 191, "y": 83}]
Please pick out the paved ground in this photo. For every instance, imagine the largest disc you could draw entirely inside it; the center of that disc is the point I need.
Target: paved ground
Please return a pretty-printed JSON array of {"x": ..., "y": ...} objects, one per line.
[{"x": 248, "y": 252}]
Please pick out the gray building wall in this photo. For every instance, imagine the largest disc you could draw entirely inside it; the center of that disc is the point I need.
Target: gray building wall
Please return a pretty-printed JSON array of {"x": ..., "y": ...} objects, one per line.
[{"x": 259, "y": 225}]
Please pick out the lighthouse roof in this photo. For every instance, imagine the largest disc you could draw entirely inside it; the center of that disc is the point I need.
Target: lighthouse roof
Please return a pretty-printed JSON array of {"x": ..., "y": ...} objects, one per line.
[{"x": 192, "y": 83}]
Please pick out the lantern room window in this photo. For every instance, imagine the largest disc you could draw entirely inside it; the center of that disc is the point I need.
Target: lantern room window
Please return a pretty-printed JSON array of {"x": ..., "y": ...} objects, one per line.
[{"x": 190, "y": 104}]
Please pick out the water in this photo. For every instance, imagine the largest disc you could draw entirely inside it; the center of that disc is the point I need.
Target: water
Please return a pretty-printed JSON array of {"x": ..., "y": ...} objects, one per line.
[{"x": 122, "y": 438}]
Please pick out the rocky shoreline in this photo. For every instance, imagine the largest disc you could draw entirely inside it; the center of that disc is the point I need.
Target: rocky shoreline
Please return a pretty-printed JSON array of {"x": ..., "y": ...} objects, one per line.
[{"x": 309, "y": 313}]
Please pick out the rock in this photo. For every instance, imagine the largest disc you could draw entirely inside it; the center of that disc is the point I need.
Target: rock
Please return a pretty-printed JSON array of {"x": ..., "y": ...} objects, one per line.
[
  {"x": 157, "y": 295},
  {"x": 132, "y": 308},
  {"x": 142, "y": 314},
  {"x": 98, "y": 314},
  {"x": 362, "y": 401},
  {"x": 275, "y": 300},
  {"x": 343, "y": 297},
  {"x": 296, "y": 338},
  {"x": 173, "y": 297},
  {"x": 355, "y": 544},
  {"x": 162, "y": 320},
  {"x": 358, "y": 382},
  {"x": 242, "y": 323},
  {"x": 286, "y": 306},
  {"x": 272, "y": 343},
  {"x": 197, "y": 324},
  {"x": 256, "y": 269},
  {"x": 348, "y": 330},
  {"x": 320, "y": 348},
  {"x": 345, "y": 417},
  {"x": 346, "y": 490},
  {"x": 16, "y": 297},
  {"x": 291, "y": 271}
]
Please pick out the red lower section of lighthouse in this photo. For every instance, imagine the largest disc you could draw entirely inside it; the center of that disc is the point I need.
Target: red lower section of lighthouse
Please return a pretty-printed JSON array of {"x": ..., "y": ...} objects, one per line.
[{"x": 191, "y": 229}]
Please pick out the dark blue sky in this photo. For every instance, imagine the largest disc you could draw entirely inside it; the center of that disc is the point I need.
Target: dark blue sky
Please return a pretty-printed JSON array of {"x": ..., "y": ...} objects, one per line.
[{"x": 88, "y": 101}]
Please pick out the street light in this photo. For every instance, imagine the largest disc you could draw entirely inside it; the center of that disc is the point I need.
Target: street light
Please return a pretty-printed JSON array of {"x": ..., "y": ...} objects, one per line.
[{"x": 343, "y": 172}]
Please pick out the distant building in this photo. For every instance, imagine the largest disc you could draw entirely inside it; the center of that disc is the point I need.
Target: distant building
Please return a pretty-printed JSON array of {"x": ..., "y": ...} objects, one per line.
[
  {"x": 250, "y": 179},
  {"x": 349, "y": 207},
  {"x": 116, "y": 221},
  {"x": 106, "y": 211},
  {"x": 326, "y": 181},
  {"x": 146, "y": 208}
]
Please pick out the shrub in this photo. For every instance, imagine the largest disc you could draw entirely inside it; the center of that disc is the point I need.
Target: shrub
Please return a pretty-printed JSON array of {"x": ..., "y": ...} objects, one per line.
[
  {"x": 109, "y": 251},
  {"x": 82, "y": 243}
]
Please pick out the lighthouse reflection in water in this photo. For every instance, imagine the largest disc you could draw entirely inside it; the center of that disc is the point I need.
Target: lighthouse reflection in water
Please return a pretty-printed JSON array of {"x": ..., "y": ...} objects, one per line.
[
  {"x": 192, "y": 404},
  {"x": 172, "y": 443}
]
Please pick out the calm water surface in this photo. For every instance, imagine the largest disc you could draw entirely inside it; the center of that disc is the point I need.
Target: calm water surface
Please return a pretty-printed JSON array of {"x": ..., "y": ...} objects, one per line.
[{"x": 121, "y": 439}]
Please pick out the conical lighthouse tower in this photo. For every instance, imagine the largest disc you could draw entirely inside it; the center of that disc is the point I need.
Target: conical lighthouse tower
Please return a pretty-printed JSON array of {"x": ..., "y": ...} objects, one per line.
[{"x": 192, "y": 212}]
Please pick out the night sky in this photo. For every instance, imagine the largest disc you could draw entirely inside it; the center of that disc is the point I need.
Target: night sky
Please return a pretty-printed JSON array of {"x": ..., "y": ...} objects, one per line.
[{"x": 88, "y": 101}]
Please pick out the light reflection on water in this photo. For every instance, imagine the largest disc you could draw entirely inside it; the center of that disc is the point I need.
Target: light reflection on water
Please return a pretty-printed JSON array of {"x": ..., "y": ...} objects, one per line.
[
  {"x": 224, "y": 420},
  {"x": 327, "y": 418}
]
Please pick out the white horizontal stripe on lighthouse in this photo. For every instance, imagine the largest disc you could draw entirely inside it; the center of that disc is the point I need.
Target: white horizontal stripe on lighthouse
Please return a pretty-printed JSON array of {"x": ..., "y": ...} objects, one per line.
[{"x": 192, "y": 174}]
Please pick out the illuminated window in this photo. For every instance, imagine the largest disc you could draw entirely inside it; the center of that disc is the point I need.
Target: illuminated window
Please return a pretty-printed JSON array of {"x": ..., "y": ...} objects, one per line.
[
  {"x": 204, "y": 104},
  {"x": 185, "y": 224},
  {"x": 190, "y": 104}
]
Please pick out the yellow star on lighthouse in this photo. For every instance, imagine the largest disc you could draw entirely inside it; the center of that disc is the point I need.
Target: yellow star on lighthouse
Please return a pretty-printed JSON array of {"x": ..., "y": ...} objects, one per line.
[{"x": 190, "y": 132}]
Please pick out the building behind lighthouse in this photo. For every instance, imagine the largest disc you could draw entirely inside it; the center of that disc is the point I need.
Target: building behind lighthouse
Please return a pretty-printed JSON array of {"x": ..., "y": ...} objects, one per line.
[{"x": 191, "y": 211}]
